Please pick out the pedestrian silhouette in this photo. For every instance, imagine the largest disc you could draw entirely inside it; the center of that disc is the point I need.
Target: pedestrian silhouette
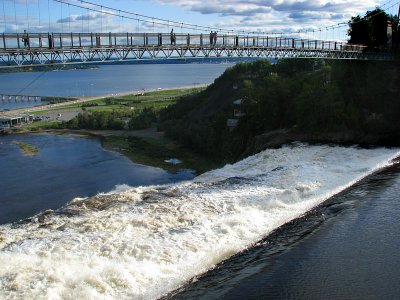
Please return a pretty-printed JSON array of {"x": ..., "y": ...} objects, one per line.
[
  {"x": 173, "y": 37},
  {"x": 25, "y": 39}
]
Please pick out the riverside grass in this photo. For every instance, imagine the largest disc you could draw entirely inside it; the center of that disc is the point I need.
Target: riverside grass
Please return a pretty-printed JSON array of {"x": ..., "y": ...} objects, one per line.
[{"x": 27, "y": 149}]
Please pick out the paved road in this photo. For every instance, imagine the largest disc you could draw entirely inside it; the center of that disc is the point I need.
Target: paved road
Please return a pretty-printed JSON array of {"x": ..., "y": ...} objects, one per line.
[
  {"x": 61, "y": 115},
  {"x": 85, "y": 99}
]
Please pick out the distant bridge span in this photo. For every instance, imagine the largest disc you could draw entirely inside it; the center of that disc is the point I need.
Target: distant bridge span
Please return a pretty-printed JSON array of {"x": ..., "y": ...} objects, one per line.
[{"x": 36, "y": 49}]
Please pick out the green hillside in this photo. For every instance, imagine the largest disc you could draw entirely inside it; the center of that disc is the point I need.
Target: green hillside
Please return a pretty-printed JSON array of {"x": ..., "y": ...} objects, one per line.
[{"x": 296, "y": 99}]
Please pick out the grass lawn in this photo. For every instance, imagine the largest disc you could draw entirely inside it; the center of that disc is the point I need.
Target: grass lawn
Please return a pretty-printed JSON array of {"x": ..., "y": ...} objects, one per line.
[{"x": 155, "y": 99}]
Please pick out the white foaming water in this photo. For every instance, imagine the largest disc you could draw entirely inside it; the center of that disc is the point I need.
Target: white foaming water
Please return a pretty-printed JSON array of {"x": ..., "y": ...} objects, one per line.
[{"x": 143, "y": 242}]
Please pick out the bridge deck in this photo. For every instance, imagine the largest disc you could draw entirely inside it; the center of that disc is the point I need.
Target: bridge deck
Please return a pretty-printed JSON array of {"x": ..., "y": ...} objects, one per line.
[{"x": 56, "y": 48}]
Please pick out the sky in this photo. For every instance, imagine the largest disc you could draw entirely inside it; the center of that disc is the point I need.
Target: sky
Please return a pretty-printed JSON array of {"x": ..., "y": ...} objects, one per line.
[{"x": 260, "y": 16}]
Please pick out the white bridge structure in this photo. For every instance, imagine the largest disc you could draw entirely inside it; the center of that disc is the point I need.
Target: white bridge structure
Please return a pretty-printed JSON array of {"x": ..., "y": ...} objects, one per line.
[{"x": 35, "y": 49}]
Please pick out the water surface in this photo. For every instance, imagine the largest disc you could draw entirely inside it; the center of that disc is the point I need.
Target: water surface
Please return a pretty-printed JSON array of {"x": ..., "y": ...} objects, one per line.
[
  {"x": 346, "y": 248},
  {"x": 109, "y": 79},
  {"x": 65, "y": 167},
  {"x": 145, "y": 242}
]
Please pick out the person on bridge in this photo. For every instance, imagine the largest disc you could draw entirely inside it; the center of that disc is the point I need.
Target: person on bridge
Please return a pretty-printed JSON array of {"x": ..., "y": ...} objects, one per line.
[
  {"x": 211, "y": 38},
  {"x": 215, "y": 38},
  {"x": 173, "y": 37},
  {"x": 51, "y": 42},
  {"x": 25, "y": 39}
]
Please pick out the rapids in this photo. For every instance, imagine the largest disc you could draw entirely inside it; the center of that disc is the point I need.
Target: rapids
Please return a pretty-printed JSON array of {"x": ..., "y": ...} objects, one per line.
[{"x": 144, "y": 242}]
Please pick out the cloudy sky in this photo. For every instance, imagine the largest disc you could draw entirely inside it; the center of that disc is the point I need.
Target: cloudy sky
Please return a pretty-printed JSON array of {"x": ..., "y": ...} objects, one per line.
[{"x": 238, "y": 15}]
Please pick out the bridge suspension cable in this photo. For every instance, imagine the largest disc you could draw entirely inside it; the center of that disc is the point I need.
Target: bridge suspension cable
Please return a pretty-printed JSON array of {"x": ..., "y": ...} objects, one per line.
[{"x": 153, "y": 21}]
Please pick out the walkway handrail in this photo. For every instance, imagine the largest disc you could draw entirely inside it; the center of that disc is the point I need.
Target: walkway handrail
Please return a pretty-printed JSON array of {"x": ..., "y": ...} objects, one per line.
[
  {"x": 41, "y": 41},
  {"x": 61, "y": 48}
]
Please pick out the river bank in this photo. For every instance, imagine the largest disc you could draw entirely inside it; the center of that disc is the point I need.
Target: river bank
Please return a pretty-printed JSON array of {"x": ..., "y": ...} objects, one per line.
[{"x": 148, "y": 147}]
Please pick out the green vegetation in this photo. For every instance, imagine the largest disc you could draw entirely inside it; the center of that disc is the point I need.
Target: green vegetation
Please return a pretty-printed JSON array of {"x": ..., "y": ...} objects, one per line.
[
  {"x": 321, "y": 100},
  {"x": 154, "y": 152},
  {"x": 42, "y": 125},
  {"x": 27, "y": 149},
  {"x": 130, "y": 111},
  {"x": 371, "y": 30}
]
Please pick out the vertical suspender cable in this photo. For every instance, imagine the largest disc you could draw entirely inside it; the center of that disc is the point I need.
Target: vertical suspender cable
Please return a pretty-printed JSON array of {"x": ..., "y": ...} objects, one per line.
[
  {"x": 106, "y": 22},
  {"x": 101, "y": 19},
  {"x": 62, "y": 21},
  {"x": 88, "y": 20},
  {"x": 4, "y": 15},
  {"x": 82, "y": 17},
  {"x": 38, "y": 3},
  {"x": 48, "y": 12},
  {"x": 119, "y": 21},
  {"x": 27, "y": 13},
  {"x": 69, "y": 18},
  {"x": 15, "y": 17}
]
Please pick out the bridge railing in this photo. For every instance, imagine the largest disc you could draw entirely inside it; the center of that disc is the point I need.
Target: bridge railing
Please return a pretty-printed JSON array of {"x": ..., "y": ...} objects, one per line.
[{"x": 65, "y": 41}]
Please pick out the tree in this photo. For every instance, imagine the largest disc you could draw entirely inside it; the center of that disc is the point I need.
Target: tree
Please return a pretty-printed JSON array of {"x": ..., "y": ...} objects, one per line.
[{"x": 370, "y": 30}]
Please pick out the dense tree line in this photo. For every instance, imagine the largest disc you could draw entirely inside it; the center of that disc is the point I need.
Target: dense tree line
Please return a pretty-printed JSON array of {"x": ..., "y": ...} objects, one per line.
[
  {"x": 303, "y": 95},
  {"x": 101, "y": 120},
  {"x": 97, "y": 120},
  {"x": 371, "y": 29}
]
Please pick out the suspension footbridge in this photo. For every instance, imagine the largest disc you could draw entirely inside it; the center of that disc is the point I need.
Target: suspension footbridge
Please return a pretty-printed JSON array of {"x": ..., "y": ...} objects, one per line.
[
  {"x": 158, "y": 41},
  {"x": 63, "y": 48}
]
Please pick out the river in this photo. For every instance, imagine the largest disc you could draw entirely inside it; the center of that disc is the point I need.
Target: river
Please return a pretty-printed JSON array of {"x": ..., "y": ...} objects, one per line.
[
  {"x": 144, "y": 242},
  {"x": 300, "y": 222},
  {"x": 65, "y": 167},
  {"x": 105, "y": 80}
]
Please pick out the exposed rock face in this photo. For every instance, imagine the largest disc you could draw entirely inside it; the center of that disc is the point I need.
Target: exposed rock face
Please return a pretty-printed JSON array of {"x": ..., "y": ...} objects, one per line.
[{"x": 277, "y": 138}]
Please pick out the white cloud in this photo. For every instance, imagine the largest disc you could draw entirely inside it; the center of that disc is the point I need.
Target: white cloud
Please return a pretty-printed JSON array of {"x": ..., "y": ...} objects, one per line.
[{"x": 275, "y": 15}]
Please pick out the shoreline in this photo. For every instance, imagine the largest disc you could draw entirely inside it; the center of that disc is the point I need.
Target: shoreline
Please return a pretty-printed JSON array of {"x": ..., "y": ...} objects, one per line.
[
  {"x": 147, "y": 147},
  {"x": 92, "y": 98}
]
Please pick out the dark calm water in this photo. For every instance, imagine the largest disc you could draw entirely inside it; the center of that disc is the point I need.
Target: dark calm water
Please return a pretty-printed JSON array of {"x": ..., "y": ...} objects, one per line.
[
  {"x": 65, "y": 167},
  {"x": 345, "y": 249}
]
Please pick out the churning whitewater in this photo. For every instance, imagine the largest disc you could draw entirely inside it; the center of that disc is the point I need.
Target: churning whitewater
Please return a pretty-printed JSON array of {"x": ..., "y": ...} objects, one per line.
[{"x": 144, "y": 242}]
